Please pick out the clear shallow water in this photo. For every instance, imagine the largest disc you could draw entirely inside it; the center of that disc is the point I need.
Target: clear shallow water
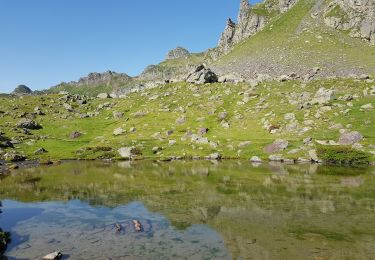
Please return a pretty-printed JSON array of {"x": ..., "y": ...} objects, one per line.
[{"x": 190, "y": 210}]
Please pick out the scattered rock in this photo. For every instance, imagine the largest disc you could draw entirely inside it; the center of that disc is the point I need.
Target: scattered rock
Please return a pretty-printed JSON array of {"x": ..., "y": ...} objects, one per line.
[
  {"x": 14, "y": 157},
  {"x": 181, "y": 120},
  {"x": 350, "y": 138},
  {"x": 244, "y": 144},
  {"x": 75, "y": 135},
  {"x": 367, "y": 107},
  {"x": 255, "y": 159},
  {"x": 313, "y": 156},
  {"x": 202, "y": 75},
  {"x": 156, "y": 149},
  {"x": 276, "y": 158},
  {"x": 53, "y": 256},
  {"x": 103, "y": 96},
  {"x": 28, "y": 124},
  {"x": 324, "y": 96},
  {"x": 40, "y": 151},
  {"x": 118, "y": 131},
  {"x": 68, "y": 107},
  {"x": 278, "y": 145},
  {"x": 129, "y": 153},
  {"x": 118, "y": 115},
  {"x": 214, "y": 156}
]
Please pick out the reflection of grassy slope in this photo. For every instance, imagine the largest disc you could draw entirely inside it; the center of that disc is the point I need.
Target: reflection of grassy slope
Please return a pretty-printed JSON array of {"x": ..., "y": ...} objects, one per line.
[
  {"x": 199, "y": 102},
  {"x": 281, "y": 38},
  {"x": 268, "y": 209}
]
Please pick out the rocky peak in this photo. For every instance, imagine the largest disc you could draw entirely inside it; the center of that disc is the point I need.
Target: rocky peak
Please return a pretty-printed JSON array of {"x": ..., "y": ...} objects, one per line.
[
  {"x": 22, "y": 90},
  {"x": 177, "y": 53},
  {"x": 244, "y": 11}
]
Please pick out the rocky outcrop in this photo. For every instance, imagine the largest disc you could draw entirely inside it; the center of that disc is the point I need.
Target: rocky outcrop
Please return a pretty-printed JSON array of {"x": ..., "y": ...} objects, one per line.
[
  {"x": 201, "y": 75},
  {"x": 94, "y": 79},
  {"x": 248, "y": 23},
  {"x": 355, "y": 16},
  {"x": 177, "y": 53},
  {"x": 22, "y": 90},
  {"x": 250, "y": 20}
]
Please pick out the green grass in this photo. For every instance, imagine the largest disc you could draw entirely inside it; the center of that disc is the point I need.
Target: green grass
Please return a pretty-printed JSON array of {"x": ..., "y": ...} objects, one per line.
[
  {"x": 205, "y": 102},
  {"x": 290, "y": 40}
]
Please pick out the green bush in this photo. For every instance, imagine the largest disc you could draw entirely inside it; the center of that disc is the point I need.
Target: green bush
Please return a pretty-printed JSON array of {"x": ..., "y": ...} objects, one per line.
[{"x": 342, "y": 155}]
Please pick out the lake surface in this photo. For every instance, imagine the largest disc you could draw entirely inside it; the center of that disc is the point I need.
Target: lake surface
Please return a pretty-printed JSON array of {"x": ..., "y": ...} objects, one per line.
[{"x": 190, "y": 210}]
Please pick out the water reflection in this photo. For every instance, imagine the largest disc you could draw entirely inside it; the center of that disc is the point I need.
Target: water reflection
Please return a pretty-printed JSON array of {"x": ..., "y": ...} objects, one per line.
[
  {"x": 89, "y": 233},
  {"x": 267, "y": 211}
]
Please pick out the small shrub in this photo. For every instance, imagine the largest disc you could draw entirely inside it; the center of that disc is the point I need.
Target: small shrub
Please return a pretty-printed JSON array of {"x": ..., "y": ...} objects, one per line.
[{"x": 342, "y": 154}]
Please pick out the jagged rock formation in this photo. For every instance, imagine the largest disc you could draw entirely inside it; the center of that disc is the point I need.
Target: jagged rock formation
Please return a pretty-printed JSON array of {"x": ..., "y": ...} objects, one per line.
[
  {"x": 22, "y": 90},
  {"x": 177, "y": 53},
  {"x": 250, "y": 20},
  {"x": 100, "y": 78},
  {"x": 248, "y": 23},
  {"x": 355, "y": 16},
  {"x": 201, "y": 75}
]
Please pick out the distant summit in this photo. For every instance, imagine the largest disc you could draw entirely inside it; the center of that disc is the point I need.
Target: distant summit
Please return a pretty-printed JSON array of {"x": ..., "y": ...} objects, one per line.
[
  {"x": 22, "y": 90},
  {"x": 177, "y": 53}
]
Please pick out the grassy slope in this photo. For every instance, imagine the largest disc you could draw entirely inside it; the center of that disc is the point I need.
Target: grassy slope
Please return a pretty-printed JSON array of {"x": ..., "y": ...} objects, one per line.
[
  {"x": 291, "y": 40},
  {"x": 199, "y": 101}
]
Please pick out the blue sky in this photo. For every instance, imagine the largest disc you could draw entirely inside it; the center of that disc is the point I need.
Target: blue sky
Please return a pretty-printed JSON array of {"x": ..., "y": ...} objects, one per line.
[{"x": 45, "y": 42}]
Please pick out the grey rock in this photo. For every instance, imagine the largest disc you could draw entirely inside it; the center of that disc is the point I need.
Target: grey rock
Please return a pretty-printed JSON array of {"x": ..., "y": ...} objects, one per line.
[
  {"x": 350, "y": 138},
  {"x": 276, "y": 146},
  {"x": 28, "y": 124},
  {"x": 276, "y": 158},
  {"x": 14, "y": 157},
  {"x": 118, "y": 115},
  {"x": 255, "y": 159},
  {"x": 118, "y": 131},
  {"x": 75, "y": 135},
  {"x": 214, "y": 156},
  {"x": 40, "y": 151},
  {"x": 103, "y": 95},
  {"x": 177, "y": 53},
  {"x": 129, "y": 153},
  {"x": 201, "y": 75},
  {"x": 324, "y": 96},
  {"x": 53, "y": 256}
]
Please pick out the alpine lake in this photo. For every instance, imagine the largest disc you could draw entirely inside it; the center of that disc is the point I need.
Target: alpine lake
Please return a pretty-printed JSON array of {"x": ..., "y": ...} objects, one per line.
[{"x": 189, "y": 210}]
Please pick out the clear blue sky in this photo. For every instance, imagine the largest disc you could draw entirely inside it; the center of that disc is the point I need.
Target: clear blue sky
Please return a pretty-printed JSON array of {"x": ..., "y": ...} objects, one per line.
[{"x": 45, "y": 42}]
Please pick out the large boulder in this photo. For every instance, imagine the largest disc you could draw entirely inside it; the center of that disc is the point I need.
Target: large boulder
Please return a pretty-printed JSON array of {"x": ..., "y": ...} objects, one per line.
[
  {"x": 129, "y": 153},
  {"x": 277, "y": 146},
  {"x": 350, "y": 138},
  {"x": 202, "y": 75},
  {"x": 28, "y": 124},
  {"x": 324, "y": 96}
]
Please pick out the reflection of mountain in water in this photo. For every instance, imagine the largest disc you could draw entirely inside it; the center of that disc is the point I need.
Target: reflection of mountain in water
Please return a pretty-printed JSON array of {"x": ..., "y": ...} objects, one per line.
[
  {"x": 265, "y": 211},
  {"x": 86, "y": 232}
]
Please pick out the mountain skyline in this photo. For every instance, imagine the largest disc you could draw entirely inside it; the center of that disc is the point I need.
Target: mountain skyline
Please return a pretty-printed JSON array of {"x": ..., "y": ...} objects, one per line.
[{"x": 45, "y": 43}]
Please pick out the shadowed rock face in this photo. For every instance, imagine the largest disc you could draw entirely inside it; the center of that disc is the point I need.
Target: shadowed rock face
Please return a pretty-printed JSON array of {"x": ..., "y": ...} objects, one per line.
[
  {"x": 22, "y": 90},
  {"x": 177, "y": 53}
]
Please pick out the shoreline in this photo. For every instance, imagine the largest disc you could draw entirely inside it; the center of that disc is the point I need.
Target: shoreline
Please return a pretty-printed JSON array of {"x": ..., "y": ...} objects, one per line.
[{"x": 7, "y": 167}]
